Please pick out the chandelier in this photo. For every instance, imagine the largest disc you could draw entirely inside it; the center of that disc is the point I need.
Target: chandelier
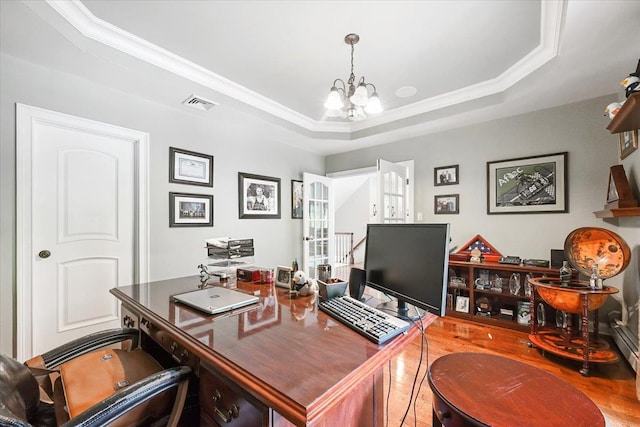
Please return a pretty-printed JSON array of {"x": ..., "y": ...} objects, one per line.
[{"x": 347, "y": 100}]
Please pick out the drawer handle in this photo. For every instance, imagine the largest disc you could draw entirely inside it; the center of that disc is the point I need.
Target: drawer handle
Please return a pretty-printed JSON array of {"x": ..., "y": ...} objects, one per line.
[
  {"x": 128, "y": 321},
  {"x": 225, "y": 415}
]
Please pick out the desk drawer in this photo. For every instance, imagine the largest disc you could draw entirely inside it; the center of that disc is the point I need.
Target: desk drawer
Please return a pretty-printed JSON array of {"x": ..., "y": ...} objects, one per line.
[
  {"x": 224, "y": 404},
  {"x": 166, "y": 340}
]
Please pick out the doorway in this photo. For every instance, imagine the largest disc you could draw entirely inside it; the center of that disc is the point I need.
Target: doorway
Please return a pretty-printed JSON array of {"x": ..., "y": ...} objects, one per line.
[
  {"x": 82, "y": 224},
  {"x": 358, "y": 202}
]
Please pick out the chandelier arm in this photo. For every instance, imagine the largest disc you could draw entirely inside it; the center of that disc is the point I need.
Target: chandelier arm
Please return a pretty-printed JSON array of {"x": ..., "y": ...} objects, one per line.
[{"x": 343, "y": 85}]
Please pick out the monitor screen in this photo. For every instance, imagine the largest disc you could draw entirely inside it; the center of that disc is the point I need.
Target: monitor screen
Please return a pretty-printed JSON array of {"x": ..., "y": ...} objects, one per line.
[{"x": 409, "y": 262}]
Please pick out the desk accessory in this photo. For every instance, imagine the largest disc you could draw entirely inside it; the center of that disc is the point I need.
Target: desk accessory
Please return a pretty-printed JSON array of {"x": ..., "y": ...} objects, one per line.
[{"x": 283, "y": 276}]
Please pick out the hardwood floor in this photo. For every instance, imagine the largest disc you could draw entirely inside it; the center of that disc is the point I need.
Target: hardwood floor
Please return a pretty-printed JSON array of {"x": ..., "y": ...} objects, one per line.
[{"x": 610, "y": 386}]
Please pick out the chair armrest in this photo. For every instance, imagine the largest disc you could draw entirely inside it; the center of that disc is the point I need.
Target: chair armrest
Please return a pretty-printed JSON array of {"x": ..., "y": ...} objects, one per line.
[
  {"x": 123, "y": 401},
  {"x": 59, "y": 355},
  {"x": 10, "y": 421}
]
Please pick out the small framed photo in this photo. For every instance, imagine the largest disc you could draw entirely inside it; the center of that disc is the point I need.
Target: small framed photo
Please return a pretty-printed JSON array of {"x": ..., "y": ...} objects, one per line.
[
  {"x": 462, "y": 304},
  {"x": 445, "y": 175},
  {"x": 283, "y": 276},
  {"x": 446, "y": 204},
  {"x": 296, "y": 199},
  {"x": 190, "y": 210},
  {"x": 188, "y": 167},
  {"x": 524, "y": 312},
  {"x": 258, "y": 196},
  {"x": 628, "y": 142}
]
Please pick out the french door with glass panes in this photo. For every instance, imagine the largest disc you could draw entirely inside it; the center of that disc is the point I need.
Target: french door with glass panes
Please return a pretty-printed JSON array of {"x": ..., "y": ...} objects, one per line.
[
  {"x": 318, "y": 222},
  {"x": 392, "y": 193}
]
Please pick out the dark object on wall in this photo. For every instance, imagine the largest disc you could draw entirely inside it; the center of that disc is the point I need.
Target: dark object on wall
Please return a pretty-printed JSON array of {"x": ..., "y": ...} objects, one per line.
[
  {"x": 619, "y": 194},
  {"x": 557, "y": 257},
  {"x": 536, "y": 184},
  {"x": 189, "y": 167},
  {"x": 357, "y": 283}
]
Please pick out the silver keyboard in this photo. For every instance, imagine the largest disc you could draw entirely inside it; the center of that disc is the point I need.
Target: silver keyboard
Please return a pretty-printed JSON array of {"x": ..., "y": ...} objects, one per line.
[{"x": 369, "y": 322}]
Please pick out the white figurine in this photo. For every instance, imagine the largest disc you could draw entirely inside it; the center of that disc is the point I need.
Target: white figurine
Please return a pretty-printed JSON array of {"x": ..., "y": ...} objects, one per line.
[
  {"x": 612, "y": 109},
  {"x": 304, "y": 285},
  {"x": 631, "y": 85}
]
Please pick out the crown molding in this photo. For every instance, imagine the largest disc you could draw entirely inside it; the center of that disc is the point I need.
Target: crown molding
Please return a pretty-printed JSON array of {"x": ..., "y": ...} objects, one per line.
[{"x": 81, "y": 18}]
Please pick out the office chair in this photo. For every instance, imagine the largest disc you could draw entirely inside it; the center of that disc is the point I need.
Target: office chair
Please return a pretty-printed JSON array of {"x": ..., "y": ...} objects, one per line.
[{"x": 88, "y": 382}]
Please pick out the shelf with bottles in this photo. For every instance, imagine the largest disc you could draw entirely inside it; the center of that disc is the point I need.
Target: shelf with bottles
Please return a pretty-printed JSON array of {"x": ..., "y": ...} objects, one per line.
[{"x": 494, "y": 293}]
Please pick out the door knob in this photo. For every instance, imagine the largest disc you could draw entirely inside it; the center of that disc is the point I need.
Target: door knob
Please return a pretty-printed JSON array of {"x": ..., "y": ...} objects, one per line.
[
  {"x": 44, "y": 254},
  {"x": 308, "y": 238}
]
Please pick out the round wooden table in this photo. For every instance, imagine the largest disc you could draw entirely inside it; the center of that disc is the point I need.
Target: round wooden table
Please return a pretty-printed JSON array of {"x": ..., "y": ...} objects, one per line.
[{"x": 474, "y": 389}]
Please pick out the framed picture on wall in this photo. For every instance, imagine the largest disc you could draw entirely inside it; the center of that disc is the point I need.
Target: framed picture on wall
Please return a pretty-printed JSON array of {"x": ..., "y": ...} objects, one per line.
[
  {"x": 536, "y": 184},
  {"x": 445, "y": 175},
  {"x": 190, "y": 210},
  {"x": 296, "y": 199},
  {"x": 446, "y": 204},
  {"x": 628, "y": 142},
  {"x": 188, "y": 167},
  {"x": 258, "y": 196}
]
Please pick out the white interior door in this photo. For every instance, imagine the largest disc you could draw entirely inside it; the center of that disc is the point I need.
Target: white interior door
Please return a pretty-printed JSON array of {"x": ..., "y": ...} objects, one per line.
[
  {"x": 392, "y": 192},
  {"x": 82, "y": 201},
  {"x": 318, "y": 222}
]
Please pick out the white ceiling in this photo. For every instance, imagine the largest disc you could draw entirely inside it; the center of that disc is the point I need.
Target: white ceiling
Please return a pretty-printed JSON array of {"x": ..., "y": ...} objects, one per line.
[{"x": 470, "y": 61}]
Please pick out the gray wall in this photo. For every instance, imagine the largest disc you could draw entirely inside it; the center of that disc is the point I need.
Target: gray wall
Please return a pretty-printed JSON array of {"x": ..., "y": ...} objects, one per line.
[
  {"x": 579, "y": 129},
  {"x": 238, "y": 142}
]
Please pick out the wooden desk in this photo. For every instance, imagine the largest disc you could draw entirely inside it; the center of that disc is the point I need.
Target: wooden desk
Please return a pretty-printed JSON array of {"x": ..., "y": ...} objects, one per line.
[
  {"x": 473, "y": 389},
  {"x": 281, "y": 363}
]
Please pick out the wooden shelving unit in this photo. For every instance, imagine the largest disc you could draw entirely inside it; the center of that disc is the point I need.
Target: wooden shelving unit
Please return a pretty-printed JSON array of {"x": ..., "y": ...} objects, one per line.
[
  {"x": 628, "y": 118},
  {"x": 617, "y": 213},
  {"x": 470, "y": 271}
]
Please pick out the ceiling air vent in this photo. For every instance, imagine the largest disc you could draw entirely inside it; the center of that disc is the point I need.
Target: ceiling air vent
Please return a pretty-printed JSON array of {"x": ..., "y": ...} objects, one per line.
[{"x": 199, "y": 103}]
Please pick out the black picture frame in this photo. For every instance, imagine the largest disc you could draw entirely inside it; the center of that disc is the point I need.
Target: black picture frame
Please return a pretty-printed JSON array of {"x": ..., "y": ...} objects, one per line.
[
  {"x": 190, "y": 210},
  {"x": 258, "y": 196},
  {"x": 528, "y": 185},
  {"x": 446, "y": 175},
  {"x": 446, "y": 204},
  {"x": 296, "y": 199},
  {"x": 627, "y": 143},
  {"x": 189, "y": 167}
]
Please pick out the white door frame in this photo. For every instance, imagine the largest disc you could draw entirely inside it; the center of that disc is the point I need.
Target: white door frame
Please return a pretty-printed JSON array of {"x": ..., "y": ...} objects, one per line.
[
  {"x": 26, "y": 117},
  {"x": 373, "y": 169}
]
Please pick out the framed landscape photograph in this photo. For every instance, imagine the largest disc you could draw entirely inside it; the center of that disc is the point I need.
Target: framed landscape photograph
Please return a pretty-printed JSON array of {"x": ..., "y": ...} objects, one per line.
[
  {"x": 296, "y": 199},
  {"x": 628, "y": 142},
  {"x": 188, "y": 167},
  {"x": 258, "y": 196},
  {"x": 536, "y": 184},
  {"x": 190, "y": 210},
  {"x": 445, "y": 175},
  {"x": 446, "y": 204}
]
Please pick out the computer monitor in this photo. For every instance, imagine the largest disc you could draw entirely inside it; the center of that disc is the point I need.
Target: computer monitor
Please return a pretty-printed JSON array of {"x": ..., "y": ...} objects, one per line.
[{"x": 411, "y": 263}]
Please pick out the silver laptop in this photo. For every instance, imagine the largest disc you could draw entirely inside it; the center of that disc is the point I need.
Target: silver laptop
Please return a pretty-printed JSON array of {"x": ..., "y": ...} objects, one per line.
[{"x": 215, "y": 300}]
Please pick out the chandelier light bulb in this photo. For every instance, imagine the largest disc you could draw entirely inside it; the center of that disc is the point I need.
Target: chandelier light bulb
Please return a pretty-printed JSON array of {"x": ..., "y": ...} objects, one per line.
[
  {"x": 334, "y": 100},
  {"x": 374, "y": 106},
  {"x": 360, "y": 97}
]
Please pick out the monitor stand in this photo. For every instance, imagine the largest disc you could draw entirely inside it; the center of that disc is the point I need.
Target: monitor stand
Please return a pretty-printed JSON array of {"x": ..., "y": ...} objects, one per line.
[{"x": 401, "y": 309}]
